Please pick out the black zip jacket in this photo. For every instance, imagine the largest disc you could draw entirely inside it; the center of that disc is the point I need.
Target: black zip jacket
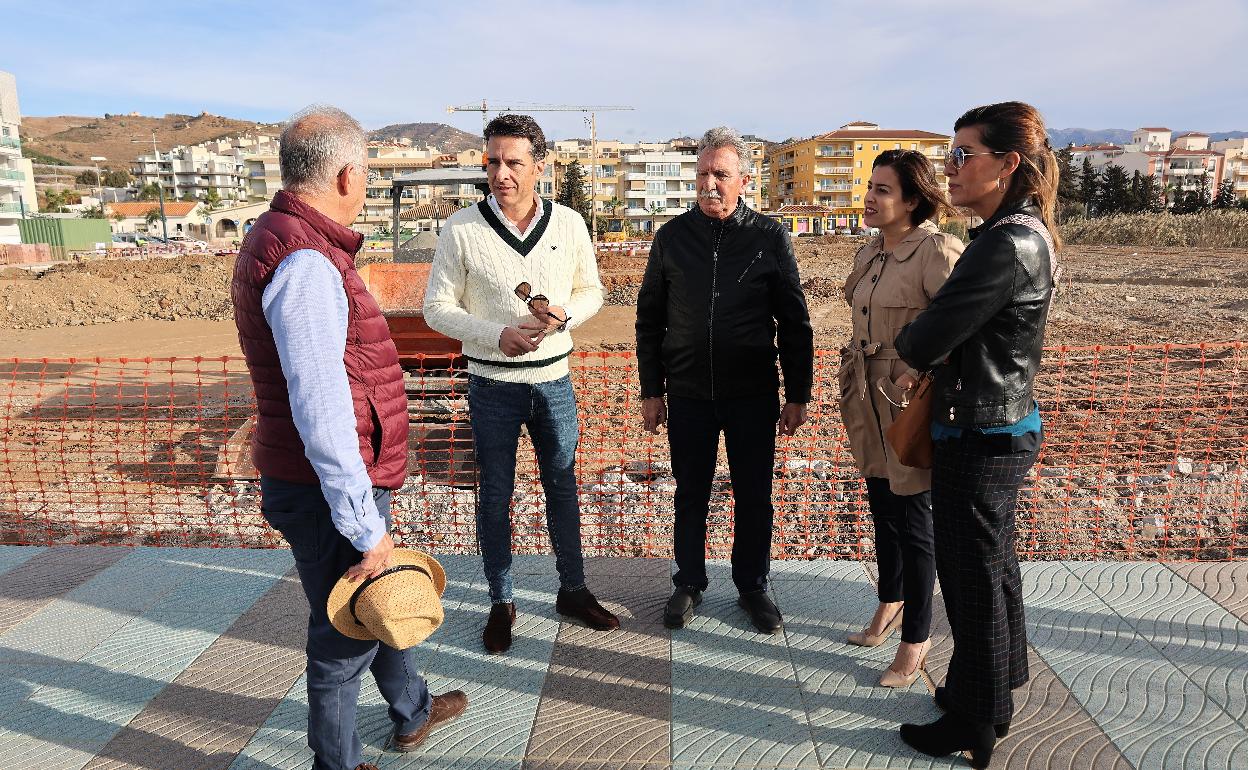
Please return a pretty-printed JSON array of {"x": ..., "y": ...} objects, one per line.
[
  {"x": 716, "y": 298},
  {"x": 984, "y": 329}
]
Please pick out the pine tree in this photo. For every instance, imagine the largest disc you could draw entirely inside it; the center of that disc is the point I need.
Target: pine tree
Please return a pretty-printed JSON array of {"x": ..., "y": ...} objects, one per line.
[
  {"x": 1068, "y": 201},
  {"x": 1151, "y": 199},
  {"x": 1088, "y": 182},
  {"x": 1135, "y": 198},
  {"x": 572, "y": 191},
  {"x": 1225, "y": 199},
  {"x": 1113, "y": 195}
]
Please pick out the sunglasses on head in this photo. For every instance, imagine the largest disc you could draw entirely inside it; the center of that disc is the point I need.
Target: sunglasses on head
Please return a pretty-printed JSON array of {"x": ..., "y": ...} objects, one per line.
[
  {"x": 538, "y": 303},
  {"x": 957, "y": 156}
]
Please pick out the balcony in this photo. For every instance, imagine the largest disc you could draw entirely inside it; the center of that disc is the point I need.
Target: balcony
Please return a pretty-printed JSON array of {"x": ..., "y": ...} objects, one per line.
[
  {"x": 842, "y": 187},
  {"x": 14, "y": 176},
  {"x": 10, "y": 208},
  {"x": 835, "y": 154},
  {"x": 834, "y": 170},
  {"x": 12, "y": 142}
]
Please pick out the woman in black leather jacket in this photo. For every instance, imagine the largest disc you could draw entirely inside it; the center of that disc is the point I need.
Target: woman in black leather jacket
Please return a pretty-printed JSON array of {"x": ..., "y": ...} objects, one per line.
[{"x": 983, "y": 334}]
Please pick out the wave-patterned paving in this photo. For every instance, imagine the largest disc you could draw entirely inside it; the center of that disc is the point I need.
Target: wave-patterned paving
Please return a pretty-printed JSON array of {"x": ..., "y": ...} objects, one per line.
[
  {"x": 162, "y": 658},
  {"x": 1152, "y": 710}
]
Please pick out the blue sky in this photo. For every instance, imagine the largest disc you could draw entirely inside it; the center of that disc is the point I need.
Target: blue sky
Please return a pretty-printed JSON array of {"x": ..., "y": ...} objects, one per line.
[{"x": 776, "y": 69}]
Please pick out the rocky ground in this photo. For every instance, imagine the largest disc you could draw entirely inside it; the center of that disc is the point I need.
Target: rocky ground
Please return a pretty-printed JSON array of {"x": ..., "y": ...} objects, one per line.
[{"x": 1109, "y": 295}]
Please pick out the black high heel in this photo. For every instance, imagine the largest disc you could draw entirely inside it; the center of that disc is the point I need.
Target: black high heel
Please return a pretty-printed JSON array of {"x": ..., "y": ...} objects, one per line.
[
  {"x": 940, "y": 697},
  {"x": 949, "y": 735}
]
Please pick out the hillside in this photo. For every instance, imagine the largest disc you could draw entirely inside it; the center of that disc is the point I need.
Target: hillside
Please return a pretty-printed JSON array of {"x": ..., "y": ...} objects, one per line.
[
  {"x": 445, "y": 138},
  {"x": 1060, "y": 137},
  {"x": 75, "y": 139}
]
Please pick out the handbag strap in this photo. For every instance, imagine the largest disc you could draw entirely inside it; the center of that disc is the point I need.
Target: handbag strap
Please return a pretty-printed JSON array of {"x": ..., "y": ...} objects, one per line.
[{"x": 1027, "y": 220}]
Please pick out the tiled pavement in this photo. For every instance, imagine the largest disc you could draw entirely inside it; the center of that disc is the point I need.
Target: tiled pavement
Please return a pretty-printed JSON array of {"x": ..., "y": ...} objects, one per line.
[{"x": 177, "y": 659}]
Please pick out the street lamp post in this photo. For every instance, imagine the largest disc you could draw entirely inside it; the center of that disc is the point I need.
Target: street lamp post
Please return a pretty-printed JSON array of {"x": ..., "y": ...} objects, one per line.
[
  {"x": 99, "y": 181},
  {"x": 160, "y": 189}
]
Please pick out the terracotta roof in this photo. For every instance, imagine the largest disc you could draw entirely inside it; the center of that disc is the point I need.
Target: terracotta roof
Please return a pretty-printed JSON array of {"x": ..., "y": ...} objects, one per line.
[
  {"x": 1093, "y": 147},
  {"x": 881, "y": 133},
  {"x": 802, "y": 208},
  {"x": 1190, "y": 133},
  {"x": 1181, "y": 151},
  {"x": 440, "y": 210},
  {"x": 1152, "y": 129},
  {"x": 140, "y": 208}
]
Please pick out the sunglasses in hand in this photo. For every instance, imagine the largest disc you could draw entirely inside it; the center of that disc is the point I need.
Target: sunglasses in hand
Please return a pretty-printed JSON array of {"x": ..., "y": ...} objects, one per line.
[{"x": 538, "y": 303}]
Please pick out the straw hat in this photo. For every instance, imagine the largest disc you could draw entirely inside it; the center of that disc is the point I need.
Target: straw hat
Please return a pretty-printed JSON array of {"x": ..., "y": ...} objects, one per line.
[{"x": 400, "y": 607}]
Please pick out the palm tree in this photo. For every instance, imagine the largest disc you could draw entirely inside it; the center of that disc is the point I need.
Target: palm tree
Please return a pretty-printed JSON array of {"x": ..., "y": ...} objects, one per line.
[
  {"x": 655, "y": 210},
  {"x": 613, "y": 206}
]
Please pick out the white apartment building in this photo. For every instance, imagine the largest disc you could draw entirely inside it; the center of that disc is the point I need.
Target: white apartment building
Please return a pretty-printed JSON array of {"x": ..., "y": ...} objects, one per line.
[
  {"x": 238, "y": 168},
  {"x": 17, "y": 179},
  {"x": 1234, "y": 164}
]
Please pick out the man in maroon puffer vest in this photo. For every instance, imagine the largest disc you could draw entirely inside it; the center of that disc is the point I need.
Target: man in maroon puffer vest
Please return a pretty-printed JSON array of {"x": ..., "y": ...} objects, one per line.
[{"x": 331, "y": 434}]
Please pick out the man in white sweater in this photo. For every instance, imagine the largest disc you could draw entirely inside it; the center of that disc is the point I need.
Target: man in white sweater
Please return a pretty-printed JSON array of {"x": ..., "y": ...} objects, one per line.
[{"x": 512, "y": 276}]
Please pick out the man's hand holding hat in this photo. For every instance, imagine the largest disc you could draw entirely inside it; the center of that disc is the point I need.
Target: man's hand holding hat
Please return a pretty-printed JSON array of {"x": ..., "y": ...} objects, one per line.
[{"x": 376, "y": 559}]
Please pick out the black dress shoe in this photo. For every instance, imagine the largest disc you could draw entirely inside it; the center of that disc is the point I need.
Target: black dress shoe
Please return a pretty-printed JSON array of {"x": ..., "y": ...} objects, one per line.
[
  {"x": 680, "y": 607},
  {"x": 581, "y": 605},
  {"x": 497, "y": 634},
  {"x": 951, "y": 734},
  {"x": 762, "y": 611},
  {"x": 941, "y": 696}
]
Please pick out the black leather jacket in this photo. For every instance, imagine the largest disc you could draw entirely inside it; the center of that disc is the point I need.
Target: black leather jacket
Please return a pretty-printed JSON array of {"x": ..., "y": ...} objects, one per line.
[
  {"x": 715, "y": 299},
  {"x": 984, "y": 329}
]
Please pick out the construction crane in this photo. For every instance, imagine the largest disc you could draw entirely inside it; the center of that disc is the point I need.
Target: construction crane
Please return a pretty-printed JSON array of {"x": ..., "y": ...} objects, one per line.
[{"x": 485, "y": 109}]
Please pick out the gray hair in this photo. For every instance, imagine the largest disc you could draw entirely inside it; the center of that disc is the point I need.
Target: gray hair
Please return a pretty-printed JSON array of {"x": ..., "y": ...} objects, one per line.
[
  {"x": 723, "y": 136},
  {"x": 316, "y": 143}
]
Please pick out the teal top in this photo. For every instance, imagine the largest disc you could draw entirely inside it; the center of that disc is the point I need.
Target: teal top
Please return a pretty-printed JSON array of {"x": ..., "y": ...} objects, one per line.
[{"x": 1029, "y": 424}]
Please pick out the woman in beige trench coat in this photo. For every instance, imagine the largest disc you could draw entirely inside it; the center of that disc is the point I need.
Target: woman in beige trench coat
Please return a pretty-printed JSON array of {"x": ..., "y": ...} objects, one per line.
[{"x": 893, "y": 279}]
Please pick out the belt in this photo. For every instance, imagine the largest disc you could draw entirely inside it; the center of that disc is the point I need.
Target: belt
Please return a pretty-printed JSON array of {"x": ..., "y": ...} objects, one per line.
[
  {"x": 519, "y": 364},
  {"x": 858, "y": 356}
]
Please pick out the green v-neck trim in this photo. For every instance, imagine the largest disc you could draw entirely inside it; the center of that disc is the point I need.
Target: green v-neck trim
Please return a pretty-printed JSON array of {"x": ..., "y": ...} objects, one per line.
[{"x": 520, "y": 247}]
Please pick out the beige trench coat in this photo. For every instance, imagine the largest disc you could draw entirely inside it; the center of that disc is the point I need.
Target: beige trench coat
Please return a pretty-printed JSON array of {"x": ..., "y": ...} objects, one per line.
[{"x": 885, "y": 292}]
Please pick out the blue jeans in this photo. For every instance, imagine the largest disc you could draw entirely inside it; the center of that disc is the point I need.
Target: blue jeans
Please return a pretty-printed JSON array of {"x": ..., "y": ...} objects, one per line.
[
  {"x": 336, "y": 662},
  {"x": 548, "y": 409}
]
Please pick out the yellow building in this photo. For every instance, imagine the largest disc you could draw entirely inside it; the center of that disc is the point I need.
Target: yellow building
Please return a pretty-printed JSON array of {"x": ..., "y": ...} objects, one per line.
[{"x": 832, "y": 169}]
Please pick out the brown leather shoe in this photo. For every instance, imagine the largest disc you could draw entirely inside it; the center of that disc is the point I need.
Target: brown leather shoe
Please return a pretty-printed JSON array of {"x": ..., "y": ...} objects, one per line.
[
  {"x": 445, "y": 708},
  {"x": 581, "y": 605},
  {"x": 365, "y": 766},
  {"x": 497, "y": 634}
]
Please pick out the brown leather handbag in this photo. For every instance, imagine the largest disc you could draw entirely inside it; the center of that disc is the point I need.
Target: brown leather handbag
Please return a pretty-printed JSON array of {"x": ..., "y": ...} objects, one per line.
[{"x": 910, "y": 435}]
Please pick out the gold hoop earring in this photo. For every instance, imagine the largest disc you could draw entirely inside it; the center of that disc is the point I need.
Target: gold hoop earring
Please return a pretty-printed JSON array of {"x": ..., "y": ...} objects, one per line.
[{"x": 1001, "y": 184}]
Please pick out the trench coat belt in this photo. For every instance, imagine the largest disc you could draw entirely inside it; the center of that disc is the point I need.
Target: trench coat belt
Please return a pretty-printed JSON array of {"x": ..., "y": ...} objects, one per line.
[{"x": 858, "y": 356}]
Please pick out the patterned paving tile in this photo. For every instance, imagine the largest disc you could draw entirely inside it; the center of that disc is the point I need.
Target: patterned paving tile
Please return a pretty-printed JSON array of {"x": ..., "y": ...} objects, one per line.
[
  {"x": 606, "y": 699},
  {"x": 64, "y": 723},
  {"x": 720, "y": 648},
  {"x": 492, "y": 733},
  {"x": 741, "y": 728},
  {"x": 13, "y": 555},
  {"x": 1153, "y": 712},
  {"x": 1190, "y": 630},
  {"x": 216, "y": 704},
  {"x": 35, "y": 581},
  {"x": 1051, "y": 729},
  {"x": 1224, "y": 582}
]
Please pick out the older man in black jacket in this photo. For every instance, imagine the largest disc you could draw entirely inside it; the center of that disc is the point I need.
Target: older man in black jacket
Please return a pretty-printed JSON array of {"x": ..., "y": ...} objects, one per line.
[{"x": 720, "y": 290}]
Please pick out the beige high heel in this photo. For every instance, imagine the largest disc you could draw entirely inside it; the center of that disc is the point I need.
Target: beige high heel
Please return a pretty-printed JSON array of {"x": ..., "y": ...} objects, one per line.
[
  {"x": 892, "y": 678},
  {"x": 863, "y": 639}
]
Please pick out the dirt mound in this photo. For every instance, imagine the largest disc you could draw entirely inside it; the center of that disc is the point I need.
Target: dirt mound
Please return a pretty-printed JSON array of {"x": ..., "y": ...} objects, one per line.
[{"x": 104, "y": 291}]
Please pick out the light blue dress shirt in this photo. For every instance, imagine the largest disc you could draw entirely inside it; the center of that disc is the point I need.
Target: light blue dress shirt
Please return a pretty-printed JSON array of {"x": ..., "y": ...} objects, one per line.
[{"x": 306, "y": 307}]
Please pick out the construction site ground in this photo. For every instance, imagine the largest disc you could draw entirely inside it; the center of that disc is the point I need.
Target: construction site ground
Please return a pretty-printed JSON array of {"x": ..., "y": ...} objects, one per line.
[{"x": 165, "y": 307}]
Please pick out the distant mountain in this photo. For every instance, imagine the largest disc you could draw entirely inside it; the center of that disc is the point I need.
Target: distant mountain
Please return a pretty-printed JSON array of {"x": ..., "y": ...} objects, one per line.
[
  {"x": 74, "y": 139},
  {"x": 445, "y": 138},
  {"x": 1060, "y": 137}
]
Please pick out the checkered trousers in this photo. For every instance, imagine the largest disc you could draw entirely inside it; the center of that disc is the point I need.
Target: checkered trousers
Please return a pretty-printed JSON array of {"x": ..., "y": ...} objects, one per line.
[{"x": 975, "y": 481}]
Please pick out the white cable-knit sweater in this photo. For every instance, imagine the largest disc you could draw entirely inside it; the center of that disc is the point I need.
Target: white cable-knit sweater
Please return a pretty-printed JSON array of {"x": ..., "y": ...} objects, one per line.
[{"x": 476, "y": 268}]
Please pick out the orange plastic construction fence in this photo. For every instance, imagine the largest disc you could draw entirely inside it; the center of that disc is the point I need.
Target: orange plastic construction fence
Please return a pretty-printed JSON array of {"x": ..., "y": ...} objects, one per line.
[{"x": 1144, "y": 458}]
